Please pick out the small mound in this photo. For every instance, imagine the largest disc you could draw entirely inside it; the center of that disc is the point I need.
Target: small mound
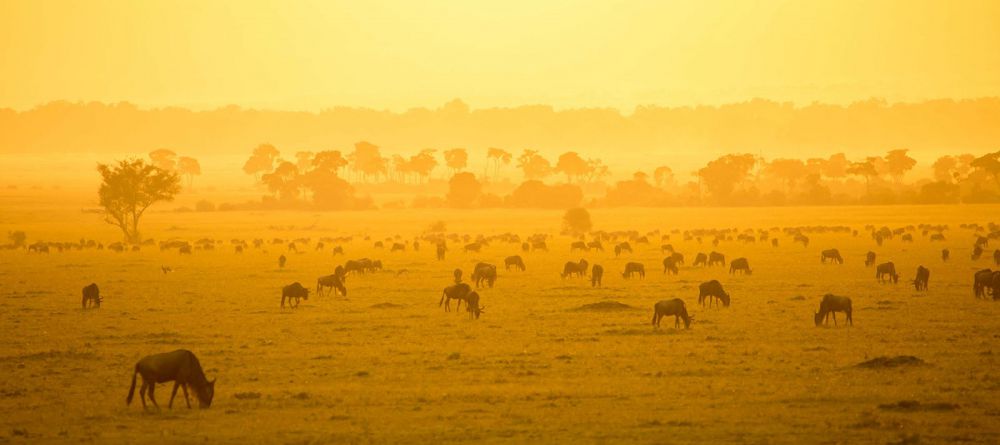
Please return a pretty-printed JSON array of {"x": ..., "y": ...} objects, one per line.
[
  {"x": 386, "y": 306},
  {"x": 797, "y": 298},
  {"x": 247, "y": 395},
  {"x": 913, "y": 405},
  {"x": 890, "y": 362},
  {"x": 605, "y": 306}
]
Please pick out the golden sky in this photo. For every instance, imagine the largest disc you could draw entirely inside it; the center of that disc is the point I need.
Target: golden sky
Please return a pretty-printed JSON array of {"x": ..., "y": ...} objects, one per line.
[{"x": 405, "y": 53}]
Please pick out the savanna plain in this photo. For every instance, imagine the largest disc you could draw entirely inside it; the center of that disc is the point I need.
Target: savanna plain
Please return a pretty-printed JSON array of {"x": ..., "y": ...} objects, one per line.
[{"x": 544, "y": 363}]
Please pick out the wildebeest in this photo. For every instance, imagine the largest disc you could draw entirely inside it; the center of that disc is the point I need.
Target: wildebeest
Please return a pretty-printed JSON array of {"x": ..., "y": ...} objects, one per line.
[
  {"x": 716, "y": 258},
  {"x": 673, "y": 307},
  {"x": 977, "y": 252},
  {"x": 623, "y": 247},
  {"x": 515, "y": 262},
  {"x": 185, "y": 250},
  {"x": 907, "y": 238},
  {"x": 338, "y": 250},
  {"x": 484, "y": 273},
  {"x": 945, "y": 254},
  {"x": 740, "y": 265},
  {"x": 91, "y": 295},
  {"x": 294, "y": 291},
  {"x": 831, "y": 255},
  {"x": 832, "y": 304},
  {"x": 281, "y": 261},
  {"x": 472, "y": 305},
  {"x": 397, "y": 247},
  {"x": 579, "y": 269},
  {"x": 667, "y": 248},
  {"x": 937, "y": 237},
  {"x": 774, "y": 242},
  {"x": 332, "y": 282},
  {"x": 181, "y": 367},
  {"x": 473, "y": 247},
  {"x": 525, "y": 247},
  {"x": 595, "y": 245},
  {"x": 539, "y": 245},
  {"x": 800, "y": 238},
  {"x": 870, "y": 259},
  {"x": 669, "y": 265},
  {"x": 632, "y": 269},
  {"x": 457, "y": 291},
  {"x": 923, "y": 277},
  {"x": 983, "y": 280},
  {"x": 578, "y": 245},
  {"x": 712, "y": 290},
  {"x": 441, "y": 249},
  {"x": 678, "y": 258},
  {"x": 596, "y": 274},
  {"x": 886, "y": 270},
  {"x": 700, "y": 260}
]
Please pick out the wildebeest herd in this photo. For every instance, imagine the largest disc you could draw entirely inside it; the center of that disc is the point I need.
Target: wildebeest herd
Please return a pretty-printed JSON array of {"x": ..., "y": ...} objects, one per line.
[{"x": 183, "y": 367}]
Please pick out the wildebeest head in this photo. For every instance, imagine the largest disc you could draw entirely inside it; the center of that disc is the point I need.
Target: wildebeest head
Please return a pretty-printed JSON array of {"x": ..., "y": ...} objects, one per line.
[
  {"x": 818, "y": 319},
  {"x": 725, "y": 299},
  {"x": 205, "y": 398}
]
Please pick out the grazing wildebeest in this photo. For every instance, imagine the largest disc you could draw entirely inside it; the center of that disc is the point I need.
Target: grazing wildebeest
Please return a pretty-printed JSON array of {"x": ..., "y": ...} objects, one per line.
[
  {"x": 181, "y": 367},
  {"x": 982, "y": 241},
  {"x": 332, "y": 282},
  {"x": 294, "y": 291},
  {"x": 515, "y": 262},
  {"x": 700, "y": 260},
  {"x": 923, "y": 277},
  {"x": 870, "y": 259},
  {"x": 712, "y": 290},
  {"x": 281, "y": 261},
  {"x": 596, "y": 274},
  {"x": 937, "y": 237},
  {"x": 525, "y": 247},
  {"x": 397, "y": 247},
  {"x": 886, "y": 270},
  {"x": 945, "y": 254},
  {"x": 338, "y": 250},
  {"x": 800, "y": 238},
  {"x": 185, "y": 250},
  {"x": 379, "y": 245},
  {"x": 457, "y": 291},
  {"x": 673, "y": 307},
  {"x": 292, "y": 247},
  {"x": 484, "y": 272},
  {"x": 740, "y": 265},
  {"x": 678, "y": 258},
  {"x": 578, "y": 245},
  {"x": 473, "y": 247},
  {"x": 623, "y": 248},
  {"x": 595, "y": 245},
  {"x": 91, "y": 295},
  {"x": 669, "y": 265},
  {"x": 981, "y": 281},
  {"x": 977, "y": 252},
  {"x": 667, "y": 248},
  {"x": 472, "y": 305},
  {"x": 907, "y": 238},
  {"x": 716, "y": 258},
  {"x": 831, "y": 255},
  {"x": 774, "y": 242},
  {"x": 579, "y": 269},
  {"x": 539, "y": 245},
  {"x": 441, "y": 249},
  {"x": 632, "y": 269},
  {"x": 832, "y": 304},
  {"x": 238, "y": 249}
]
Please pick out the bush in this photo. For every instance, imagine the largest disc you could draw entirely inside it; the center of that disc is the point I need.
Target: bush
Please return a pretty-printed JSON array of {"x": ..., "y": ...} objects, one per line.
[{"x": 204, "y": 206}]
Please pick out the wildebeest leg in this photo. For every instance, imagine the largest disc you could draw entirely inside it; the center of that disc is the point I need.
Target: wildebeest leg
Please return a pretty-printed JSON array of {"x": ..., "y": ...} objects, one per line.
[
  {"x": 282, "y": 301},
  {"x": 834, "y": 317},
  {"x": 186, "y": 399},
  {"x": 152, "y": 395},
  {"x": 173, "y": 394},
  {"x": 142, "y": 393},
  {"x": 677, "y": 321}
]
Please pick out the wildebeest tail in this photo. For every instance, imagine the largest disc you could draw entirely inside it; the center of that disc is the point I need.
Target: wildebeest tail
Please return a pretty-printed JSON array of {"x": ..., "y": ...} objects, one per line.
[{"x": 131, "y": 390}]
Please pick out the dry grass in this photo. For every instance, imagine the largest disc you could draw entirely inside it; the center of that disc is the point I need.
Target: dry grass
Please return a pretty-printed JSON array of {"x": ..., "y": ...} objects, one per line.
[{"x": 387, "y": 364}]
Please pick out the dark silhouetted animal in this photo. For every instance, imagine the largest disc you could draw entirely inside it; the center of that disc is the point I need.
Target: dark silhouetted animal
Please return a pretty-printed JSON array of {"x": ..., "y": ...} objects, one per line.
[
  {"x": 673, "y": 307},
  {"x": 473, "y": 247},
  {"x": 515, "y": 262},
  {"x": 832, "y": 304},
  {"x": 982, "y": 280},
  {"x": 294, "y": 291},
  {"x": 886, "y": 272},
  {"x": 700, "y": 260},
  {"x": 458, "y": 291},
  {"x": 332, "y": 282},
  {"x": 632, "y": 269},
  {"x": 716, "y": 259},
  {"x": 595, "y": 245},
  {"x": 579, "y": 269},
  {"x": 711, "y": 290},
  {"x": 945, "y": 254},
  {"x": 678, "y": 258},
  {"x": 831, "y": 255},
  {"x": 397, "y": 247},
  {"x": 338, "y": 250},
  {"x": 441, "y": 249},
  {"x": 281, "y": 261},
  {"x": 596, "y": 274},
  {"x": 579, "y": 245},
  {"x": 525, "y": 247},
  {"x": 91, "y": 295},
  {"x": 740, "y": 265},
  {"x": 539, "y": 245},
  {"x": 623, "y": 248},
  {"x": 473, "y": 306},
  {"x": 669, "y": 265},
  {"x": 923, "y": 277},
  {"x": 181, "y": 367},
  {"x": 870, "y": 259},
  {"x": 774, "y": 242},
  {"x": 484, "y": 273}
]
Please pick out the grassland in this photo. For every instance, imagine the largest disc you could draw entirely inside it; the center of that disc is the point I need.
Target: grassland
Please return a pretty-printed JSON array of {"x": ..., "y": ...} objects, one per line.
[{"x": 386, "y": 364}]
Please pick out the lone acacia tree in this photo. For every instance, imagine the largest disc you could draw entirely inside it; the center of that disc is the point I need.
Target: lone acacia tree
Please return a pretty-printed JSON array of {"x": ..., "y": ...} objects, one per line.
[{"x": 129, "y": 188}]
